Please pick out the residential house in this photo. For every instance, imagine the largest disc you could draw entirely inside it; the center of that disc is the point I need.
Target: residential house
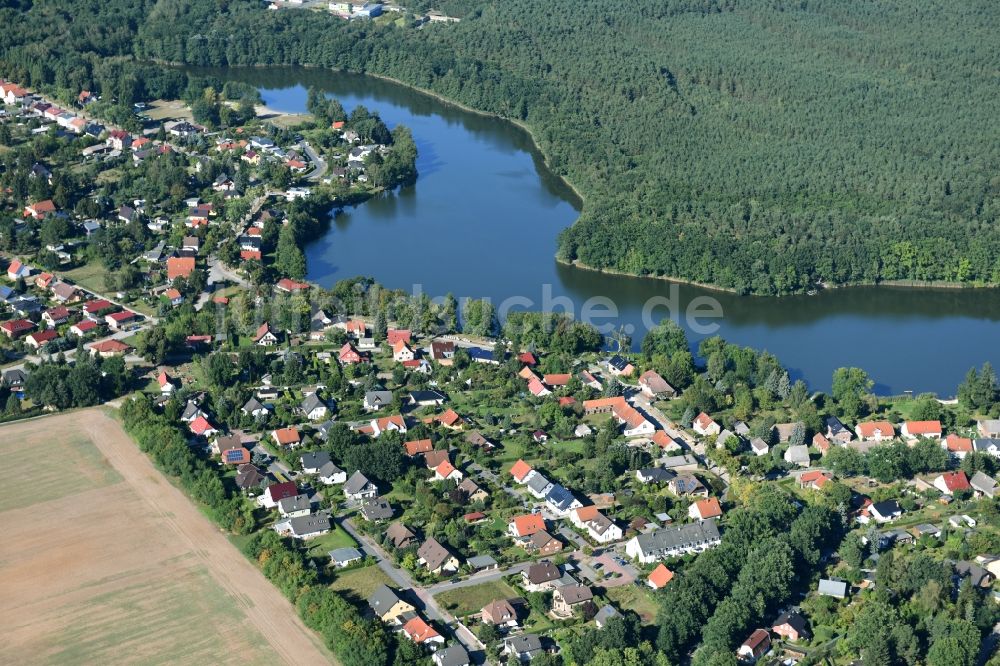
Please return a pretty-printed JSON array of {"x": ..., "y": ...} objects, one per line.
[
  {"x": 314, "y": 408},
  {"x": 108, "y": 348},
  {"x": 249, "y": 479},
  {"x": 875, "y": 431},
  {"x": 420, "y": 632},
  {"x": 312, "y": 461},
  {"x": 286, "y": 437},
  {"x": 705, "y": 509},
  {"x": 330, "y": 475},
  {"x": 599, "y": 527},
  {"x": 654, "y": 475},
  {"x": 376, "y": 400},
  {"x": 477, "y": 439},
  {"x": 304, "y": 527},
  {"x": 983, "y": 485},
  {"x": 179, "y": 267},
  {"x": 759, "y": 447},
  {"x": 255, "y": 408},
  {"x": 387, "y": 605},
  {"x": 293, "y": 507},
  {"x": 442, "y": 351},
  {"x": 265, "y": 336},
  {"x": 883, "y": 512},
  {"x": 521, "y": 527},
  {"x": 633, "y": 422},
  {"x": 569, "y": 599},
  {"x": 65, "y": 293},
  {"x": 454, "y": 655},
  {"x": 83, "y": 328},
  {"x": 202, "y": 427},
  {"x": 387, "y": 423},
  {"x": 544, "y": 544},
  {"x": 540, "y": 576},
  {"x": 687, "y": 485},
  {"x": 673, "y": 541},
  {"x": 705, "y": 426},
  {"x": 560, "y": 500},
  {"x": 345, "y": 557},
  {"x": 417, "y": 446},
  {"x": 120, "y": 321},
  {"x": 832, "y": 588},
  {"x": 682, "y": 463},
  {"x": 659, "y": 577},
  {"x": 791, "y": 626},
  {"x": 400, "y": 536},
  {"x": 798, "y": 455},
  {"x": 15, "y": 328},
  {"x": 539, "y": 486},
  {"x": 607, "y": 612},
  {"x": 521, "y": 471},
  {"x": 436, "y": 557},
  {"x": 655, "y": 386},
  {"x": 957, "y": 447},
  {"x": 755, "y": 646},
  {"x": 918, "y": 429},
  {"x": 358, "y": 487},
  {"x": 276, "y": 492},
  {"x": 977, "y": 575},
  {"x": 446, "y": 471},
  {"x": 40, "y": 338},
  {"x": 522, "y": 648},
  {"x": 499, "y": 613},
  {"x": 988, "y": 446},
  {"x": 951, "y": 482},
  {"x": 620, "y": 366},
  {"x": 473, "y": 493},
  {"x": 813, "y": 480},
  {"x": 376, "y": 510},
  {"x": 14, "y": 380},
  {"x": 426, "y": 399},
  {"x": 166, "y": 383},
  {"x": 989, "y": 428},
  {"x": 402, "y": 352},
  {"x": 836, "y": 431}
]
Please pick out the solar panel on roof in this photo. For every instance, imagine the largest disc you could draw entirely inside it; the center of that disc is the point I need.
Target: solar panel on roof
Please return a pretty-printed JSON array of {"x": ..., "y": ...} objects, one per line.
[{"x": 233, "y": 455}]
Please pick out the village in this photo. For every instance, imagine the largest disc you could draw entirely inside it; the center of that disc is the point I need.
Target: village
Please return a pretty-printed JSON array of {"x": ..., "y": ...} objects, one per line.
[{"x": 486, "y": 495}]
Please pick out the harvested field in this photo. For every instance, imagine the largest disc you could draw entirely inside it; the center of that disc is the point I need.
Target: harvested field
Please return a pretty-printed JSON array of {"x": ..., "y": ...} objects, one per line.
[{"x": 104, "y": 561}]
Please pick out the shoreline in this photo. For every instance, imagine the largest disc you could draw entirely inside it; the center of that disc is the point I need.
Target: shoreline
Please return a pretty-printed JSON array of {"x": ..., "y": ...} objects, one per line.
[{"x": 890, "y": 284}]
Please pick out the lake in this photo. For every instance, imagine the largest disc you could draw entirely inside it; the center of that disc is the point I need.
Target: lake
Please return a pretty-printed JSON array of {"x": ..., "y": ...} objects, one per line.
[{"x": 482, "y": 221}]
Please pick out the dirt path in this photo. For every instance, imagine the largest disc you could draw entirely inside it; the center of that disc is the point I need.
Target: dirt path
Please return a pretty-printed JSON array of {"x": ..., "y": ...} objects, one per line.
[{"x": 263, "y": 604}]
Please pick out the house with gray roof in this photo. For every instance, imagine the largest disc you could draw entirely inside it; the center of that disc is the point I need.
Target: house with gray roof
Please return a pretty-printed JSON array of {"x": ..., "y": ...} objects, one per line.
[
  {"x": 376, "y": 510},
  {"x": 304, "y": 527},
  {"x": 456, "y": 655},
  {"x": 314, "y": 408},
  {"x": 330, "y": 475},
  {"x": 436, "y": 557},
  {"x": 560, "y": 500},
  {"x": 344, "y": 557},
  {"x": 797, "y": 455},
  {"x": 673, "y": 541},
  {"x": 293, "y": 507},
  {"x": 255, "y": 408},
  {"x": 523, "y": 648},
  {"x": 539, "y": 486},
  {"x": 832, "y": 588},
  {"x": 313, "y": 460},
  {"x": 376, "y": 400},
  {"x": 983, "y": 484},
  {"x": 605, "y": 613},
  {"x": 358, "y": 487}
]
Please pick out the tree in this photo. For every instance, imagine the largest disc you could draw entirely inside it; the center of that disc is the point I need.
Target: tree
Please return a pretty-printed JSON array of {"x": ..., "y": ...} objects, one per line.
[
  {"x": 289, "y": 259},
  {"x": 849, "y": 387}
]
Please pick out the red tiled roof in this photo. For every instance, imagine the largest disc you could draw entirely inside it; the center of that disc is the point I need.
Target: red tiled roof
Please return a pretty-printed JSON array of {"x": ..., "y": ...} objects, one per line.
[
  {"x": 923, "y": 427},
  {"x": 201, "y": 425},
  {"x": 709, "y": 508},
  {"x": 418, "y": 446},
  {"x": 528, "y": 524},
  {"x": 286, "y": 436},
  {"x": 660, "y": 576},
  {"x": 870, "y": 428},
  {"x": 41, "y": 337},
  {"x": 110, "y": 347},
  {"x": 955, "y": 481},
  {"x": 557, "y": 379},
  {"x": 179, "y": 267},
  {"x": 96, "y": 306},
  {"x": 957, "y": 444},
  {"x": 520, "y": 470}
]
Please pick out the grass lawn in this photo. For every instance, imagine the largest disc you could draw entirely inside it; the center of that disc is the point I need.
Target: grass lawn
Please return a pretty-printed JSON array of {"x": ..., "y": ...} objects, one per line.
[
  {"x": 337, "y": 538},
  {"x": 466, "y": 600},
  {"x": 636, "y": 598},
  {"x": 361, "y": 582},
  {"x": 89, "y": 276}
]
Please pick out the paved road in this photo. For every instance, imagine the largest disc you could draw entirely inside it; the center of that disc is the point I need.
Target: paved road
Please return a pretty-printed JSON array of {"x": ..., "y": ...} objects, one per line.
[
  {"x": 402, "y": 578},
  {"x": 477, "y": 579},
  {"x": 319, "y": 165}
]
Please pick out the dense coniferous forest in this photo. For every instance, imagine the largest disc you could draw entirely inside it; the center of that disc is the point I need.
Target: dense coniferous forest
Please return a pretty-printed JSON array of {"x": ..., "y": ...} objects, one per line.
[{"x": 760, "y": 145}]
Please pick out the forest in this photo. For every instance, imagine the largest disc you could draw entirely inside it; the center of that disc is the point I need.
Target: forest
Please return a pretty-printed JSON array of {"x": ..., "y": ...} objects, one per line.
[{"x": 759, "y": 145}]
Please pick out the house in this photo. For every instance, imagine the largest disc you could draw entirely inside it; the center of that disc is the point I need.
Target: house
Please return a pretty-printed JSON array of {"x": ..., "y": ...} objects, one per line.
[
  {"x": 521, "y": 471},
  {"x": 14, "y": 379},
  {"x": 314, "y": 408},
  {"x": 988, "y": 446},
  {"x": 539, "y": 436},
  {"x": 345, "y": 557},
  {"x": 401, "y": 352},
  {"x": 989, "y": 428},
  {"x": 400, "y": 536},
  {"x": 286, "y": 437},
  {"x": 958, "y": 447},
  {"x": 599, "y": 527},
  {"x": 330, "y": 475},
  {"x": 83, "y": 328},
  {"x": 983, "y": 485},
  {"x": 480, "y": 355},
  {"x": 358, "y": 487},
  {"x": 659, "y": 577},
  {"x": 445, "y": 471},
  {"x": 304, "y": 527},
  {"x": 560, "y": 500},
  {"x": 432, "y": 459},
  {"x": 179, "y": 267},
  {"x": 832, "y": 588},
  {"x": 635, "y": 424},
  {"x": 759, "y": 447},
  {"x": 120, "y": 321},
  {"x": 588, "y": 379},
  {"x": 43, "y": 280},
  {"x": 387, "y": 423},
  {"x": 884, "y": 512},
  {"x": 978, "y": 576},
  {"x": 65, "y": 293},
  {"x": 797, "y": 455},
  {"x": 620, "y": 366},
  {"x": 312, "y": 461},
  {"x": 38, "y": 211},
  {"x": 173, "y": 296},
  {"x": 520, "y": 527},
  {"x": 442, "y": 351},
  {"x": 166, "y": 383},
  {"x": 917, "y": 429},
  {"x": 926, "y": 529},
  {"x": 951, "y": 482},
  {"x": 673, "y": 541},
  {"x": 422, "y": 633},
  {"x": 451, "y": 420},
  {"x": 417, "y": 446},
  {"x": 542, "y": 543},
  {"x": 568, "y": 599},
  {"x": 682, "y": 463},
  {"x": 522, "y": 648},
  {"x": 249, "y": 479},
  {"x": 40, "y": 338},
  {"x": 15, "y": 328},
  {"x": 583, "y": 430},
  {"x": 687, "y": 484},
  {"x": 791, "y": 626},
  {"x": 202, "y": 427},
  {"x": 387, "y": 606},
  {"x": 482, "y": 562},
  {"x": 705, "y": 426},
  {"x": 758, "y": 643},
  {"x": 290, "y": 286},
  {"x": 607, "y": 612},
  {"x": 813, "y": 480},
  {"x": 232, "y": 451},
  {"x": 540, "y": 576},
  {"x": 376, "y": 400},
  {"x": 499, "y": 613},
  {"x": 455, "y": 655},
  {"x": 108, "y": 348},
  {"x": 836, "y": 431},
  {"x": 426, "y": 398},
  {"x": 655, "y": 386},
  {"x": 376, "y": 510},
  {"x": 265, "y": 336},
  {"x": 276, "y": 492},
  {"x": 537, "y": 388},
  {"x": 875, "y": 431},
  {"x": 477, "y": 439},
  {"x": 293, "y": 507},
  {"x": 436, "y": 557},
  {"x": 255, "y": 408},
  {"x": 705, "y": 509}
]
